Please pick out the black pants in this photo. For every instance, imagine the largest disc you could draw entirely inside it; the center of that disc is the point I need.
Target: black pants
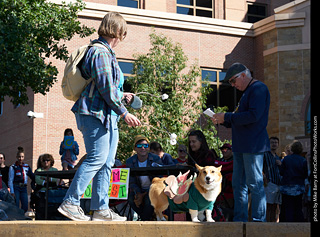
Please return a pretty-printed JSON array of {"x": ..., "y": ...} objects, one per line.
[
  {"x": 145, "y": 211},
  {"x": 291, "y": 208}
]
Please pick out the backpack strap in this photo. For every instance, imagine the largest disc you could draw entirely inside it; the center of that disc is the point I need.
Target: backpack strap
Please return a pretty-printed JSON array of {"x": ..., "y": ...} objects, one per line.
[{"x": 98, "y": 44}]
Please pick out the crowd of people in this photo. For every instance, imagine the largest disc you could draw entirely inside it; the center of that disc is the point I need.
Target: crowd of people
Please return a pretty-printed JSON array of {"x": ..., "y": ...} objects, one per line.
[
  {"x": 286, "y": 182},
  {"x": 15, "y": 177}
]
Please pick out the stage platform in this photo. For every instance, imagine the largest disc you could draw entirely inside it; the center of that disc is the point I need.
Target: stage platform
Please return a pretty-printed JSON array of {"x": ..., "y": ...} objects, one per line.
[{"x": 151, "y": 229}]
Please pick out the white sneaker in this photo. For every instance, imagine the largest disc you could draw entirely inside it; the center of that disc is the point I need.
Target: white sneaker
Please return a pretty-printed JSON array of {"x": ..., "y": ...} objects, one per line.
[
  {"x": 107, "y": 215},
  {"x": 73, "y": 212}
]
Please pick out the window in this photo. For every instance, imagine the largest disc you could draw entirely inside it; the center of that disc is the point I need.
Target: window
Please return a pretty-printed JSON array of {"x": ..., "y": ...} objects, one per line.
[
  {"x": 223, "y": 94},
  {"x": 256, "y": 12},
  {"x": 129, "y": 3},
  {"x": 202, "y": 8}
]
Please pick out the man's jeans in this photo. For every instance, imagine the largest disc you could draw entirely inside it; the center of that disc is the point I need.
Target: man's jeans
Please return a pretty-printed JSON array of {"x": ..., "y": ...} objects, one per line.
[
  {"x": 101, "y": 146},
  {"x": 247, "y": 173}
]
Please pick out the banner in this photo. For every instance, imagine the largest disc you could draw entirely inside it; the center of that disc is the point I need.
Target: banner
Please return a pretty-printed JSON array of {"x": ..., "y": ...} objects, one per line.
[{"x": 119, "y": 184}]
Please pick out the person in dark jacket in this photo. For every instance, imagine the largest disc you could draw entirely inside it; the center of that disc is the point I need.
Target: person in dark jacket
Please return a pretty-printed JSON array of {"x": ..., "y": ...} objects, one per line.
[
  {"x": 294, "y": 171},
  {"x": 199, "y": 150},
  {"x": 156, "y": 149},
  {"x": 250, "y": 140},
  {"x": 140, "y": 185}
]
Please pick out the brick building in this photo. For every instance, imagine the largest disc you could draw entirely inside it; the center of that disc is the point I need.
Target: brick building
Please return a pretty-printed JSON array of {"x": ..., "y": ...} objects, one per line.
[{"x": 271, "y": 37}]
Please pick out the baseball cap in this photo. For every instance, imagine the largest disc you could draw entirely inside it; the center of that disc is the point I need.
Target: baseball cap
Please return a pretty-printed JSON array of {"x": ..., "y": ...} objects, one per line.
[
  {"x": 233, "y": 70},
  {"x": 139, "y": 138},
  {"x": 226, "y": 145}
]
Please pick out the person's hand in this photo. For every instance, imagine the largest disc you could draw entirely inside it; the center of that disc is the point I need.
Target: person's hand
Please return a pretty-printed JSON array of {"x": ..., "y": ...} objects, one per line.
[
  {"x": 218, "y": 118},
  {"x": 132, "y": 120},
  {"x": 128, "y": 96}
]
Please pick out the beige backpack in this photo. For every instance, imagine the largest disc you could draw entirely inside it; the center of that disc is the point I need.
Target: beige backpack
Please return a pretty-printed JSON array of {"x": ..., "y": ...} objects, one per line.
[{"x": 73, "y": 84}]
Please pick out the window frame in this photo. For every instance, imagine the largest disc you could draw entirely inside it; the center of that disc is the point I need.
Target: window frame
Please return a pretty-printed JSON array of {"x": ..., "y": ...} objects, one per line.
[
  {"x": 255, "y": 15},
  {"x": 138, "y": 4},
  {"x": 195, "y": 8}
]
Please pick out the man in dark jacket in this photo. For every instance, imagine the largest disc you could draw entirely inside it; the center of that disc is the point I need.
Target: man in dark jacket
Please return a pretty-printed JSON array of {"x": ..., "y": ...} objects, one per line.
[
  {"x": 139, "y": 185},
  {"x": 249, "y": 141}
]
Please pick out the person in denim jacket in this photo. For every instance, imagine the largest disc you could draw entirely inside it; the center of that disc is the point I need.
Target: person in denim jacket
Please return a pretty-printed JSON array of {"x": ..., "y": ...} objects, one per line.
[
  {"x": 69, "y": 156},
  {"x": 140, "y": 185}
]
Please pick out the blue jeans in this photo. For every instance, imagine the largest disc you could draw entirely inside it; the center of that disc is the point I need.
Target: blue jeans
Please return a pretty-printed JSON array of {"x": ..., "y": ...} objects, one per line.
[
  {"x": 247, "y": 174},
  {"x": 21, "y": 194},
  {"x": 101, "y": 146}
]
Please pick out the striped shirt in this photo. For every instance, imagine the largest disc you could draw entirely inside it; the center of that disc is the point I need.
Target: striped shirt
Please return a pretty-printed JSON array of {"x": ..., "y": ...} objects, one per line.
[
  {"x": 270, "y": 168},
  {"x": 101, "y": 65}
]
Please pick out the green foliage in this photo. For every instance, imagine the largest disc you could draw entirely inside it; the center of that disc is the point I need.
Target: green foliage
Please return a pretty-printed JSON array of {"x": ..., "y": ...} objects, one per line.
[
  {"x": 31, "y": 31},
  {"x": 164, "y": 70}
]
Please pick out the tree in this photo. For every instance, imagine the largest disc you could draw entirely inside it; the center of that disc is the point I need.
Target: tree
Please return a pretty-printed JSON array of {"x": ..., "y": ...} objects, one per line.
[
  {"x": 31, "y": 31},
  {"x": 159, "y": 72}
]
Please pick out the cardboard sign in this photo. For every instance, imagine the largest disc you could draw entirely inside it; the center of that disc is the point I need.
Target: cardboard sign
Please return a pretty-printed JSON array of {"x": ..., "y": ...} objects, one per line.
[
  {"x": 68, "y": 142},
  {"x": 118, "y": 187}
]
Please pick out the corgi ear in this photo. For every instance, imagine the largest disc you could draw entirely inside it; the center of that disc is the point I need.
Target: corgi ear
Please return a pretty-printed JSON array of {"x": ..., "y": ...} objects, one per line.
[
  {"x": 198, "y": 167},
  {"x": 219, "y": 168}
]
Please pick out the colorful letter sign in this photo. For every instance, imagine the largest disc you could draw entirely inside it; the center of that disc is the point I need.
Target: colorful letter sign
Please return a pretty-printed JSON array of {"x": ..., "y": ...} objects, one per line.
[{"x": 119, "y": 184}]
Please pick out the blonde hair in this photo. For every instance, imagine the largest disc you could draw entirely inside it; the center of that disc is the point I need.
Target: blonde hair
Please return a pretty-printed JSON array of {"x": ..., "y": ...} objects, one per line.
[{"x": 113, "y": 25}]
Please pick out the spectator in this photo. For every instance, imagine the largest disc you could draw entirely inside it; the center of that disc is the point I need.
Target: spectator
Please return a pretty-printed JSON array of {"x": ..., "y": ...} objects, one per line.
[
  {"x": 225, "y": 199},
  {"x": 226, "y": 150},
  {"x": 294, "y": 171},
  {"x": 283, "y": 155},
  {"x": 272, "y": 177},
  {"x": 287, "y": 150},
  {"x": 156, "y": 149},
  {"x": 4, "y": 170},
  {"x": 182, "y": 155},
  {"x": 199, "y": 149},
  {"x": 45, "y": 163},
  {"x": 18, "y": 180},
  {"x": 139, "y": 186},
  {"x": 67, "y": 151}
]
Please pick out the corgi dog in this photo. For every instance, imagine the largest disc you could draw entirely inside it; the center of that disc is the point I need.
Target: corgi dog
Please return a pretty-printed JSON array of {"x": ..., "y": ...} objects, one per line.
[{"x": 201, "y": 194}]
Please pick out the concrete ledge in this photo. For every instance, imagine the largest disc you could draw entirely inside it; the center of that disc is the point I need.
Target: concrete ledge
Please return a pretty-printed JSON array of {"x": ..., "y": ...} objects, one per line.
[
  {"x": 253, "y": 229},
  {"x": 150, "y": 229}
]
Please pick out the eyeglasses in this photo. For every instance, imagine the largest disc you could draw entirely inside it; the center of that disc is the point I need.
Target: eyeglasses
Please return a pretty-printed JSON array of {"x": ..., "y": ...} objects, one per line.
[
  {"x": 45, "y": 160},
  {"x": 233, "y": 80},
  {"x": 142, "y": 145},
  {"x": 180, "y": 150}
]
